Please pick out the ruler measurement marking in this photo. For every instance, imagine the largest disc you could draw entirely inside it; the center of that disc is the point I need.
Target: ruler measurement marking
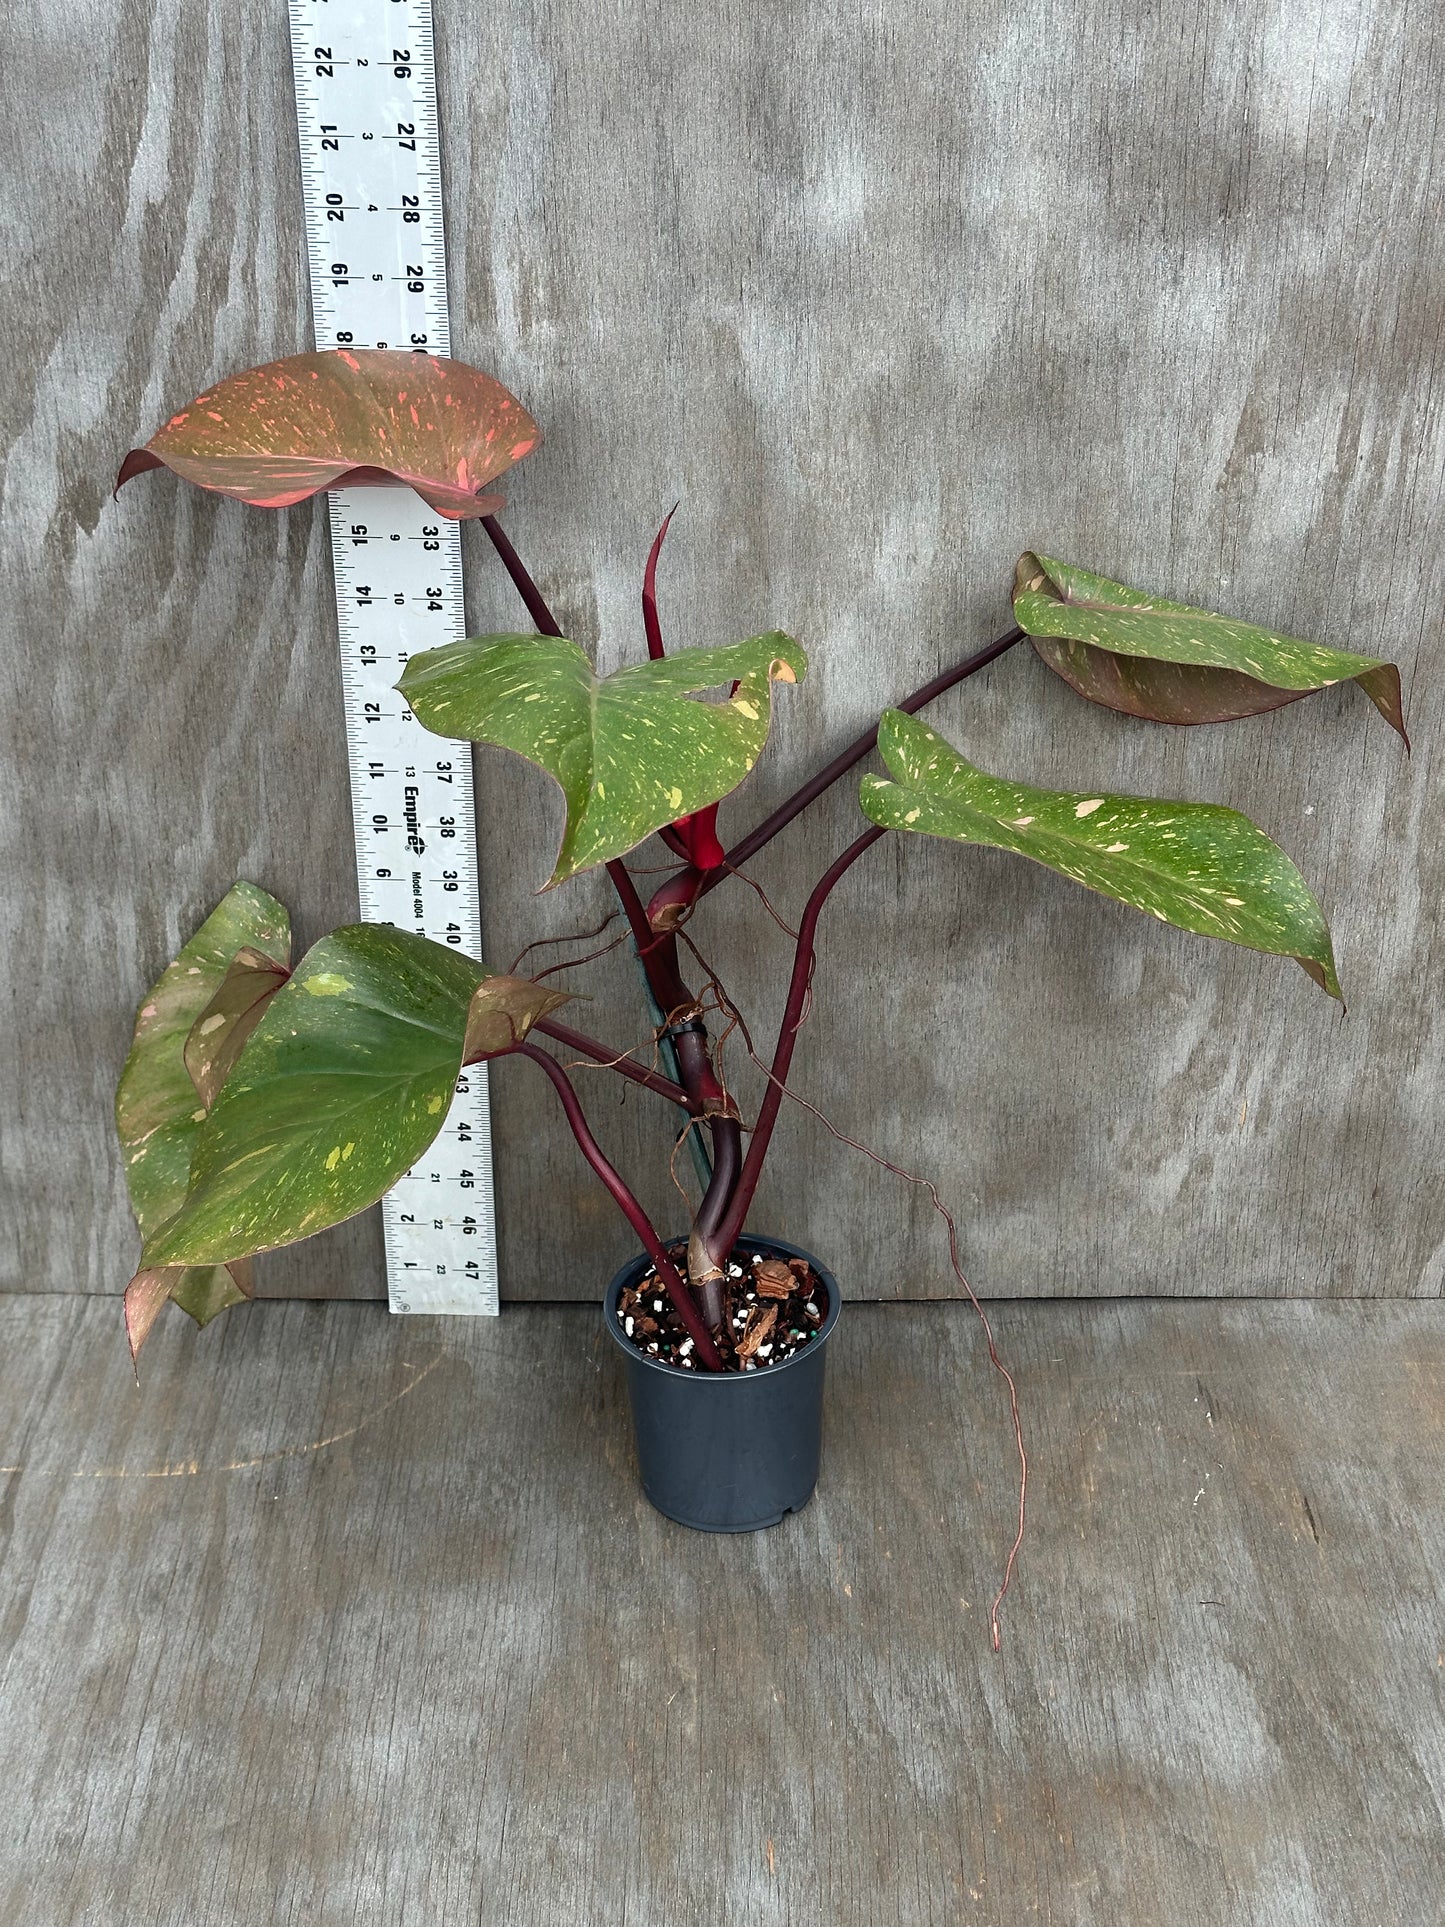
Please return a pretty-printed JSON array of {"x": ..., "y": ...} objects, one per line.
[{"x": 371, "y": 180}]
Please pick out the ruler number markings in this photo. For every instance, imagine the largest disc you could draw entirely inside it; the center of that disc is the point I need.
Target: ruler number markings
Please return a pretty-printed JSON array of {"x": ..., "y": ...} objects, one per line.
[{"x": 371, "y": 177}]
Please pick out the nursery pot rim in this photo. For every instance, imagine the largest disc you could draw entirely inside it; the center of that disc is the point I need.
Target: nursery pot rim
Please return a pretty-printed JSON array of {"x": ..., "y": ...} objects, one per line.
[{"x": 771, "y": 1372}]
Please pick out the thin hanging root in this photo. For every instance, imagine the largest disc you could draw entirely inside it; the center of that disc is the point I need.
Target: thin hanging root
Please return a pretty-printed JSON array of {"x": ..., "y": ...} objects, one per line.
[
  {"x": 576, "y": 963},
  {"x": 622, "y": 1057},
  {"x": 726, "y": 1004},
  {"x": 574, "y": 936},
  {"x": 763, "y": 897},
  {"x": 682, "y": 1137},
  {"x": 997, "y": 1363}
]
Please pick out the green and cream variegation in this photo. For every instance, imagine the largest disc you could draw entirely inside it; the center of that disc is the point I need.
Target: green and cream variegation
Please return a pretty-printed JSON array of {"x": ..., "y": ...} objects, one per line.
[
  {"x": 1171, "y": 663},
  {"x": 632, "y": 751},
  {"x": 159, "y": 1112},
  {"x": 343, "y": 1084},
  {"x": 1196, "y": 865}
]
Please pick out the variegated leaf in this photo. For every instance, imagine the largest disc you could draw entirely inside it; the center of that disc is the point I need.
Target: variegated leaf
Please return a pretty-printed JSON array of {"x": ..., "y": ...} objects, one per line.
[
  {"x": 344, "y": 417},
  {"x": 158, "y": 1112},
  {"x": 631, "y": 752},
  {"x": 1196, "y": 865},
  {"x": 342, "y": 1085},
  {"x": 1170, "y": 663}
]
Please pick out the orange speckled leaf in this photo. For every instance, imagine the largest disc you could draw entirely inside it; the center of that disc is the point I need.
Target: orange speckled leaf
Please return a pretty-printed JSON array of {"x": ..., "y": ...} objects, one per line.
[{"x": 279, "y": 433}]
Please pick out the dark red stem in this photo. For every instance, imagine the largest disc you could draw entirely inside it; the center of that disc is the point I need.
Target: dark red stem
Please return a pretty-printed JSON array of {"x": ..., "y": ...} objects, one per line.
[
  {"x": 651, "y": 625},
  {"x": 526, "y": 588},
  {"x": 675, "y": 841},
  {"x": 676, "y": 1290},
  {"x": 585, "y": 1046},
  {"x": 656, "y": 949},
  {"x": 855, "y": 752},
  {"x": 731, "y": 1227},
  {"x": 705, "y": 1261},
  {"x": 707, "y": 1095}
]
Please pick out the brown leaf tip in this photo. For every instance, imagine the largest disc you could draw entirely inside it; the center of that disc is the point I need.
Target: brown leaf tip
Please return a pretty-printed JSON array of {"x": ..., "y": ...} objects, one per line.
[{"x": 1029, "y": 574}]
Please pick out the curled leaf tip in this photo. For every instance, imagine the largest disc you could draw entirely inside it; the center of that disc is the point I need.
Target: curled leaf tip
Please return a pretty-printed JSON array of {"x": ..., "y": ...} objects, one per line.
[
  {"x": 1169, "y": 662},
  {"x": 137, "y": 462},
  {"x": 1198, "y": 866},
  {"x": 1028, "y": 574},
  {"x": 145, "y": 1295},
  {"x": 502, "y": 1012}
]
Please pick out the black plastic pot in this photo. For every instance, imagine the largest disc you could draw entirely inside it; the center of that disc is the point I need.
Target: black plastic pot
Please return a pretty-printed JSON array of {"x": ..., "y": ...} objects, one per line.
[{"x": 728, "y": 1451}]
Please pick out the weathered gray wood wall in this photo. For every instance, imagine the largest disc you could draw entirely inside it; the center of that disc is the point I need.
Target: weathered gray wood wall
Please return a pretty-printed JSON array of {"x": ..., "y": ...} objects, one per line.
[{"x": 884, "y": 294}]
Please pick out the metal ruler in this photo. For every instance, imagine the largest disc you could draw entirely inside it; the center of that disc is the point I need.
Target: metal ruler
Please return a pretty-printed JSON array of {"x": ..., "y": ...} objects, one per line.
[{"x": 366, "y": 108}]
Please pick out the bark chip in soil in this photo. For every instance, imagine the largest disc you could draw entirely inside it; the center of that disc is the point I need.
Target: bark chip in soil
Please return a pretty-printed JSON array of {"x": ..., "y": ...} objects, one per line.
[{"x": 774, "y": 1308}]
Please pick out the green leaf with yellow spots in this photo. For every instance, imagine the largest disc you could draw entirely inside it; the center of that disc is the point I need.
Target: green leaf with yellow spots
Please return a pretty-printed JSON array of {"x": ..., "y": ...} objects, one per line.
[
  {"x": 1195, "y": 865},
  {"x": 339, "y": 1089},
  {"x": 158, "y": 1112},
  {"x": 1171, "y": 663},
  {"x": 632, "y": 751}
]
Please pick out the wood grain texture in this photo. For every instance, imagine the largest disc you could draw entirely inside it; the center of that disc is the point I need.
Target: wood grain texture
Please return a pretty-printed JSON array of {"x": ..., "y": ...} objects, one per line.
[
  {"x": 884, "y": 294},
  {"x": 348, "y": 1620}
]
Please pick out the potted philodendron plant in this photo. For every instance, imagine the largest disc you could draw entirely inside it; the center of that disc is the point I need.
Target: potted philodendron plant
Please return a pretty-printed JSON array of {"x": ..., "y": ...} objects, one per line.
[{"x": 263, "y": 1102}]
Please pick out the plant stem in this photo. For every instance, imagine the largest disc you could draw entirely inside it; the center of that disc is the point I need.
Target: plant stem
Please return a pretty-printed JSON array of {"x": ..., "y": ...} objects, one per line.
[
  {"x": 696, "y": 1149},
  {"x": 803, "y": 956},
  {"x": 657, "y": 951},
  {"x": 676, "y": 1290},
  {"x": 855, "y": 752},
  {"x": 526, "y": 588},
  {"x": 586, "y": 1046},
  {"x": 650, "y": 944},
  {"x": 704, "y": 1262}
]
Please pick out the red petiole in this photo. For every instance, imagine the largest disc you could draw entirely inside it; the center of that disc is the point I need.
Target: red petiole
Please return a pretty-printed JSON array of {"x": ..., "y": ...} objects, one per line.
[
  {"x": 676, "y": 1290},
  {"x": 720, "y": 1217}
]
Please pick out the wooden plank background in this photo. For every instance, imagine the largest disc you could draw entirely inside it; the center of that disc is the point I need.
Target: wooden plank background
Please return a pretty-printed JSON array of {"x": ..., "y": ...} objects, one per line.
[
  {"x": 883, "y": 294},
  {"x": 349, "y": 1621}
]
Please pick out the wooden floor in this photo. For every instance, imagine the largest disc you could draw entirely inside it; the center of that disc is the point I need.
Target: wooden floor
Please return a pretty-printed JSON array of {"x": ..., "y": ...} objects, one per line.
[{"x": 342, "y": 1619}]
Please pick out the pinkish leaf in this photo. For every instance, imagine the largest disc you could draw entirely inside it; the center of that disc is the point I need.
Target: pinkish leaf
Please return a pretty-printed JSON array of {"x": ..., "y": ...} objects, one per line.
[
  {"x": 145, "y": 1296},
  {"x": 203, "y": 1291},
  {"x": 157, "y": 1110},
  {"x": 279, "y": 433},
  {"x": 502, "y": 1011}
]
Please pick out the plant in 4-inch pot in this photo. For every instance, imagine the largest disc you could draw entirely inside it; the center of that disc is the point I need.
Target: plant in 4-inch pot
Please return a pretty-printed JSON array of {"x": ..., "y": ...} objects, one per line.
[{"x": 261, "y": 1104}]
